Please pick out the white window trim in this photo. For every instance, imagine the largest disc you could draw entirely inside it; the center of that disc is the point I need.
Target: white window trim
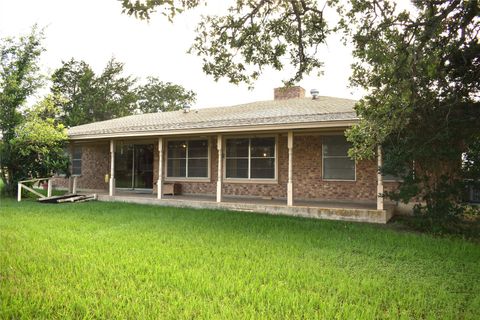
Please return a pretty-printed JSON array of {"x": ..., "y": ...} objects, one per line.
[
  {"x": 187, "y": 179},
  {"x": 273, "y": 180},
  {"x": 323, "y": 167}
]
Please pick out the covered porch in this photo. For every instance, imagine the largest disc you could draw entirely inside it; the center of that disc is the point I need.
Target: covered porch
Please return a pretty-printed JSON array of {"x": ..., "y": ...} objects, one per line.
[
  {"x": 296, "y": 166},
  {"x": 291, "y": 172}
]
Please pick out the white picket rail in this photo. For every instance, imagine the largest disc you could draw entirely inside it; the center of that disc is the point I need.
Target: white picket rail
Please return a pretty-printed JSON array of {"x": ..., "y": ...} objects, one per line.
[{"x": 22, "y": 186}]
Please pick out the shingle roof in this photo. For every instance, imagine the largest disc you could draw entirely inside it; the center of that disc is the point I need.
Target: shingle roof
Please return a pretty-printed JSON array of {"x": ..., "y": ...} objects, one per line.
[{"x": 276, "y": 112}]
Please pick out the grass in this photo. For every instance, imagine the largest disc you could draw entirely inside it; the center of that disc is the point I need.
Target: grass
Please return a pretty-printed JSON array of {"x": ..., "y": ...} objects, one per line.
[{"x": 112, "y": 260}]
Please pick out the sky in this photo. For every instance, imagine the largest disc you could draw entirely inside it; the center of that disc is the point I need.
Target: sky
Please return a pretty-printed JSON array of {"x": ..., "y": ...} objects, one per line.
[{"x": 96, "y": 30}]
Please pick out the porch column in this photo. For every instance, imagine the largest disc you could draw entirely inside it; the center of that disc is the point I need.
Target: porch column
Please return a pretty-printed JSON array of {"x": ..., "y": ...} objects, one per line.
[
  {"x": 49, "y": 188},
  {"x": 70, "y": 158},
  {"x": 74, "y": 185},
  {"x": 290, "y": 170},
  {"x": 379, "y": 179},
  {"x": 160, "y": 169},
  {"x": 220, "y": 168},
  {"x": 111, "y": 185}
]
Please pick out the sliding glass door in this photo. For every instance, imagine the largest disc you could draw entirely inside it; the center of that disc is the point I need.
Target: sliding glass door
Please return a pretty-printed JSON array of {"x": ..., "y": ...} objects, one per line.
[
  {"x": 134, "y": 166},
  {"x": 143, "y": 166}
]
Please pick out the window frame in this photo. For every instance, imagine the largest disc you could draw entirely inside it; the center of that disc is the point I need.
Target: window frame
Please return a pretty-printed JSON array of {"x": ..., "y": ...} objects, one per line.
[
  {"x": 273, "y": 180},
  {"x": 72, "y": 159},
  {"x": 188, "y": 179},
  {"x": 323, "y": 162}
]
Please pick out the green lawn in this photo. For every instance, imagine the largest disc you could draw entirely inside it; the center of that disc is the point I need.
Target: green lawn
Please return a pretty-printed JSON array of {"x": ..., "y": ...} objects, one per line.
[{"x": 112, "y": 260}]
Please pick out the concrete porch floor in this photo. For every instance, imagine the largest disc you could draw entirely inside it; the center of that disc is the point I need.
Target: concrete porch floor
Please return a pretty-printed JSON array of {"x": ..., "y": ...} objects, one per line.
[{"x": 334, "y": 210}]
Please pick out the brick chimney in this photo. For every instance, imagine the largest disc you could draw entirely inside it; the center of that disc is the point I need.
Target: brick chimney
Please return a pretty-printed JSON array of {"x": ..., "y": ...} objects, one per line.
[{"x": 284, "y": 93}]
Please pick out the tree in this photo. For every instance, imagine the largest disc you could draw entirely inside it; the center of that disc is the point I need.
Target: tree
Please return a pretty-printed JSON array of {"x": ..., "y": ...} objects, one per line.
[
  {"x": 32, "y": 143},
  {"x": 39, "y": 146},
  {"x": 114, "y": 93},
  {"x": 73, "y": 91},
  {"x": 251, "y": 36},
  {"x": 158, "y": 96},
  {"x": 419, "y": 66},
  {"x": 422, "y": 70},
  {"x": 83, "y": 97},
  {"x": 19, "y": 78}
]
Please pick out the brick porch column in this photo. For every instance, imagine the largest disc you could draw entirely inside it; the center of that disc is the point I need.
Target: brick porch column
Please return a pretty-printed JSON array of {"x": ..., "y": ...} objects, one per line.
[
  {"x": 290, "y": 170},
  {"x": 220, "y": 171},
  {"x": 160, "y": 169},
  {"x": 111, "y": 185},
  {"x": 379, "y": 179}
]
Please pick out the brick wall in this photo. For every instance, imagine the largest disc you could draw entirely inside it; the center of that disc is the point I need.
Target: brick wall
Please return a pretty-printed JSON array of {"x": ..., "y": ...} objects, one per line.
[
  {"x": 307, "y": 174},
  {"x": 95, "y": 165}
]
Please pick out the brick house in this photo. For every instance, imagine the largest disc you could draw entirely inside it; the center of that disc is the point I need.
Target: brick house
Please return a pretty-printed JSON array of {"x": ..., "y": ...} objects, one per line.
[{"x": 285, "y": 156}]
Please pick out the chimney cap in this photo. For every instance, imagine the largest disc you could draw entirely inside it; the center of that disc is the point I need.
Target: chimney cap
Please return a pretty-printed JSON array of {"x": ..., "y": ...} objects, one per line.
[{"x": 314, "y": 93}]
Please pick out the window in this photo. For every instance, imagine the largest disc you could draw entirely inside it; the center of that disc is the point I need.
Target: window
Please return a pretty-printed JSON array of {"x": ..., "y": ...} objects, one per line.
[
  {"x": 77, "y": 161},
  {"x": 336, "y": 163},
  {"x": 187, "y": 159},
  {"x": 250, "y": 158}
]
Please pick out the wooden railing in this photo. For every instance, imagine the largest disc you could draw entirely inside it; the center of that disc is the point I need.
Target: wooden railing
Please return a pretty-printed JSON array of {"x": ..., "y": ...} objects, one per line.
[{"x": 22, "y": 186}]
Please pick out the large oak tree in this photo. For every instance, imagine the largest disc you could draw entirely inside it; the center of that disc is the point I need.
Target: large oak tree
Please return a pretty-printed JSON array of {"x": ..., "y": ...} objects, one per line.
[{"x": 420, "y": 67}]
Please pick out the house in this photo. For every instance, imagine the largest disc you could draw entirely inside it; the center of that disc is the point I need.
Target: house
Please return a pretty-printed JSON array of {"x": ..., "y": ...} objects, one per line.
[{"x": 285, "y": 156}]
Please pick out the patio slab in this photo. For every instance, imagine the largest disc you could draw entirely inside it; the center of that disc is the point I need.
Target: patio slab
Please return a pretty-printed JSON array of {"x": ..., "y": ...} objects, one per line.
[{"x": 332, "y": 210}]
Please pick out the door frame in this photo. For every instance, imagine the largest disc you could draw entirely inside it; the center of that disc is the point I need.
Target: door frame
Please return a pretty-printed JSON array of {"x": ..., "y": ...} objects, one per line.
[{"x": 132, "y": 186}]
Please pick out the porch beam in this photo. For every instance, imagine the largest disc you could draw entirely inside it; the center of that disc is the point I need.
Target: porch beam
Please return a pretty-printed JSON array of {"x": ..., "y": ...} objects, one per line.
[
  {"x": 111, "y": 185},
  {"x": 290, "y": 169},
  {"x": 220, "y": 168},
  {"x": 160, "y": 169},
  {"x": 379, "y": 179}
]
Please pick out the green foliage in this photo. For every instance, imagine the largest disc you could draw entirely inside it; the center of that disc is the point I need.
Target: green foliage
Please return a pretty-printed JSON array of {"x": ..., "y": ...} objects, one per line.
[
  {"x": 121, "y": 261},
  {"x": 45, "y": 109},
  {"x": 158, "y": 96},
  {"x": 114, "y": 92},
  {"x": 168, "y": 8},
  {"x": 39, "y": 146},
  {"x": 471, "y": 158},
  {"x": 73, "y": 89},
  {"x": 83, "y": 97},
  {"x": 19, "y": 78},
  {"x": 253, "y": 35},
  {"x": 421, "y": 69}
]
